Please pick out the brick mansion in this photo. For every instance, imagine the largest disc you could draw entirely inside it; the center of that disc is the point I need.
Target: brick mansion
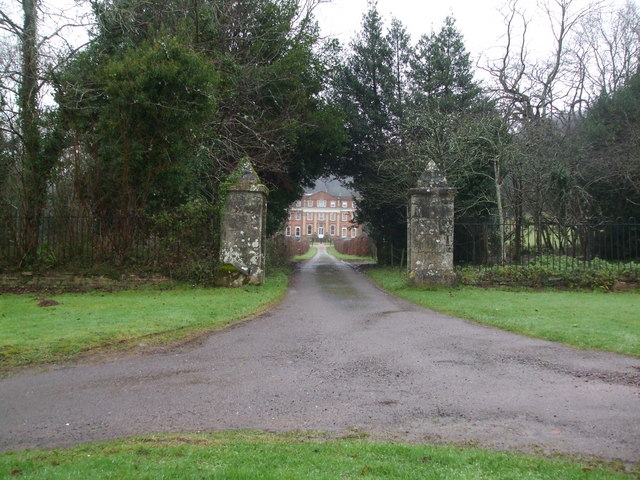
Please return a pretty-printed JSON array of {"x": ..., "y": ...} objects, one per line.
[{"x": 322, "y": 216}]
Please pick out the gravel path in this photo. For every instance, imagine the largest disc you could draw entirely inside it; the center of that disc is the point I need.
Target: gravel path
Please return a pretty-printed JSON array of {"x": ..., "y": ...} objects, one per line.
[{"x": 339, "y": 354}]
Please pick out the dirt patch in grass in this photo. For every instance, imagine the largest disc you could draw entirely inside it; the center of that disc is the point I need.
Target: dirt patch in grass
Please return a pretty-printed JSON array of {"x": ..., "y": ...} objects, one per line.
[{"x": 44, "y": 302}]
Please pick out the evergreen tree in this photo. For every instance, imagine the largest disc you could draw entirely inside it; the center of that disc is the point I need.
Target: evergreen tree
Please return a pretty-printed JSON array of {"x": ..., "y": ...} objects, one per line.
[
  {"x": 400, "y": 44},
  {"x": 270, "y": 71},
  {"x": 611, "y": 132},
  {"x": 404, "y": 110},
  {"x": 441, "y": 72},
  {"x": 138, "y": 115},
  {"x": 366, "y": 91},
  {"x": 370, "y": 90}
]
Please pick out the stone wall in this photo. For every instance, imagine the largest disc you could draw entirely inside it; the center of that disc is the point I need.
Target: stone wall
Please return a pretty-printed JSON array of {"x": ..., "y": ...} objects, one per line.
[{"x": 28, "y": 281}]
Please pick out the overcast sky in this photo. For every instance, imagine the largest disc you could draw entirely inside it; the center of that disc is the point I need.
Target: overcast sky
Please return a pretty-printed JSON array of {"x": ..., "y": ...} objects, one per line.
[{"x": 479, "y": 20}]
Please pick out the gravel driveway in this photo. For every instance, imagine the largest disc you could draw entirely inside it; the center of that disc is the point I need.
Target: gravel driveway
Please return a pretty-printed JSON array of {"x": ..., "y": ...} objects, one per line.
[{"x": 335, "y": 355}]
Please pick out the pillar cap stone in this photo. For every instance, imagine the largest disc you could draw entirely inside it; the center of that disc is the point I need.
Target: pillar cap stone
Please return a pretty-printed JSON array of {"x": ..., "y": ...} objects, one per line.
[
  {"x": 246, "y": 178},
  {"x": 432, "y": 177},
  {"x": 247, "y": 172},
  {"x": 432, "y": 180}
]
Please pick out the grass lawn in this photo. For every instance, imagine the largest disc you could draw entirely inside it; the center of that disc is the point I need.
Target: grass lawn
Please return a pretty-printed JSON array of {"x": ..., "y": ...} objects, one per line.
[
  {"x": 306, "y": 256},
  {"x": 247, "y": 455},
  {"x": 32, "y": 334},
  {"x": 590, "y": 320},
  {"x": 331, "y": 250}
]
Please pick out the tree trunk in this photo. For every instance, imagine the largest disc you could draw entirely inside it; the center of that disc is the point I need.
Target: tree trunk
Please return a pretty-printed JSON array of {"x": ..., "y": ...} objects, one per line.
[
  {"x": 518, "y": 217},
  {"x": 34, "y": 180},
  {"x": 498, "y": 185}
]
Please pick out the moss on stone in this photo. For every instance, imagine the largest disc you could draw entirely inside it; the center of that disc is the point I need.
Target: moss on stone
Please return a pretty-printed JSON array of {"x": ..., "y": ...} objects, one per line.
[{"x": 228, "y": 268}]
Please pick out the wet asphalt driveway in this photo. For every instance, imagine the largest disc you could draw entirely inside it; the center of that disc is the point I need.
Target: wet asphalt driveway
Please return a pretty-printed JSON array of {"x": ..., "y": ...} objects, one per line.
[{"x": 339, "y": 354}]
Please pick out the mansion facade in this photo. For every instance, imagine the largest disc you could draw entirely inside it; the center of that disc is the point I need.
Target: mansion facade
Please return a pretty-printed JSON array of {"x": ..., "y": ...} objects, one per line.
[{"x": 322, "y": 216}]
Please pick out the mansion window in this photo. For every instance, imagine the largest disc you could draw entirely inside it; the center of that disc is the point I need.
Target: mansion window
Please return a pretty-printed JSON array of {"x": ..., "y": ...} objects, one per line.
[
  {"x": 332, "y": 216},
  {"x": 321, "y": 216},
  {"x": 298, "y": 215},
  {"x": 333, "y": 204},
  {"x": 353, "y": 232},
  {"x": 309, "y": 203},
  {"x": 322, "y": 203},
  {"x": 344, "y": 232},
  {"x": 288, "y": 231},
  {"x": 332, "y": 230},
  {"x": 309, "y": 229},
  {"x": 345, "y": 217},
  {"x": 297, "y": 231},
  {"x": 345, "y": 204},
  {"x": 309, "y": 216},
  {"x": 299, "y": 203}
]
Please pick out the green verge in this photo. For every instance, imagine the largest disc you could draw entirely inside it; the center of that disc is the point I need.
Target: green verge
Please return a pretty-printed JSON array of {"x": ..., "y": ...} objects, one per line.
[
  {"x": 583, "y": 319},
  {"x": 331, "y": 250},
  {"x": 306, "y": 256},
  {"x": 251, "y": 455},
  {"x": 31, "y": 334}
]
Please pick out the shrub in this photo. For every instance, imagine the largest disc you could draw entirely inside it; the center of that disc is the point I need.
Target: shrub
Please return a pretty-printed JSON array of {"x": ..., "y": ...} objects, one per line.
[
  {"x": 553, "y": 272},
  {"x": 187, "y": 243}
]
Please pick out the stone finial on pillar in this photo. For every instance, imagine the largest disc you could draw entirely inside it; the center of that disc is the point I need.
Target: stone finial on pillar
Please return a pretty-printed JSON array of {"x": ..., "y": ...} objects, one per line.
[
  {"x": 243, "y": 229},
  {"x": 430, "y": 230}
]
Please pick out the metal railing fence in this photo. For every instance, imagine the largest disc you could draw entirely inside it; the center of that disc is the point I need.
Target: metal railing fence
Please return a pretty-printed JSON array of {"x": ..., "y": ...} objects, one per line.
[
  {"x": 553, "y": 244},
  {"x": 83, "y": 241}
]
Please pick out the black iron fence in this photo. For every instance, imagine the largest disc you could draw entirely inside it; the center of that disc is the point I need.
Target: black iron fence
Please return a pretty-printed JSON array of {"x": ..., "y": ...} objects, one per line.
[
  {"x": 169, "y": 242},
  {"x": 552, "y": 244},
  {"x": 160, "y": 243}
]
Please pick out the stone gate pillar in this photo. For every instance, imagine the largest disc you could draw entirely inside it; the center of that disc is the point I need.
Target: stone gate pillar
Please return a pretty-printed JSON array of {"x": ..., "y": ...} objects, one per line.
[
  {"x": 430, "y": 230},
  {"x": 243, "y": 235}
]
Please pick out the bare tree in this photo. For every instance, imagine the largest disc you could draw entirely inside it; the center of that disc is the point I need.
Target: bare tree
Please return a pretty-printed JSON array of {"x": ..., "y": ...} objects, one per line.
[
  {"x": 535, "y": 94},
  {"x": 527, "y": 87},
  {"x": 606, "y": 50},
  {"x": 23, "y": 82}
]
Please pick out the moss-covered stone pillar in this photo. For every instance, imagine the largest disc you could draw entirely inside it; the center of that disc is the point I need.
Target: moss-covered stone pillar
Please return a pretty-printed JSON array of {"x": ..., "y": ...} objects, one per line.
[
  {"x": 243, "y": 229},
  {"x": 430, "y": 230}
]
